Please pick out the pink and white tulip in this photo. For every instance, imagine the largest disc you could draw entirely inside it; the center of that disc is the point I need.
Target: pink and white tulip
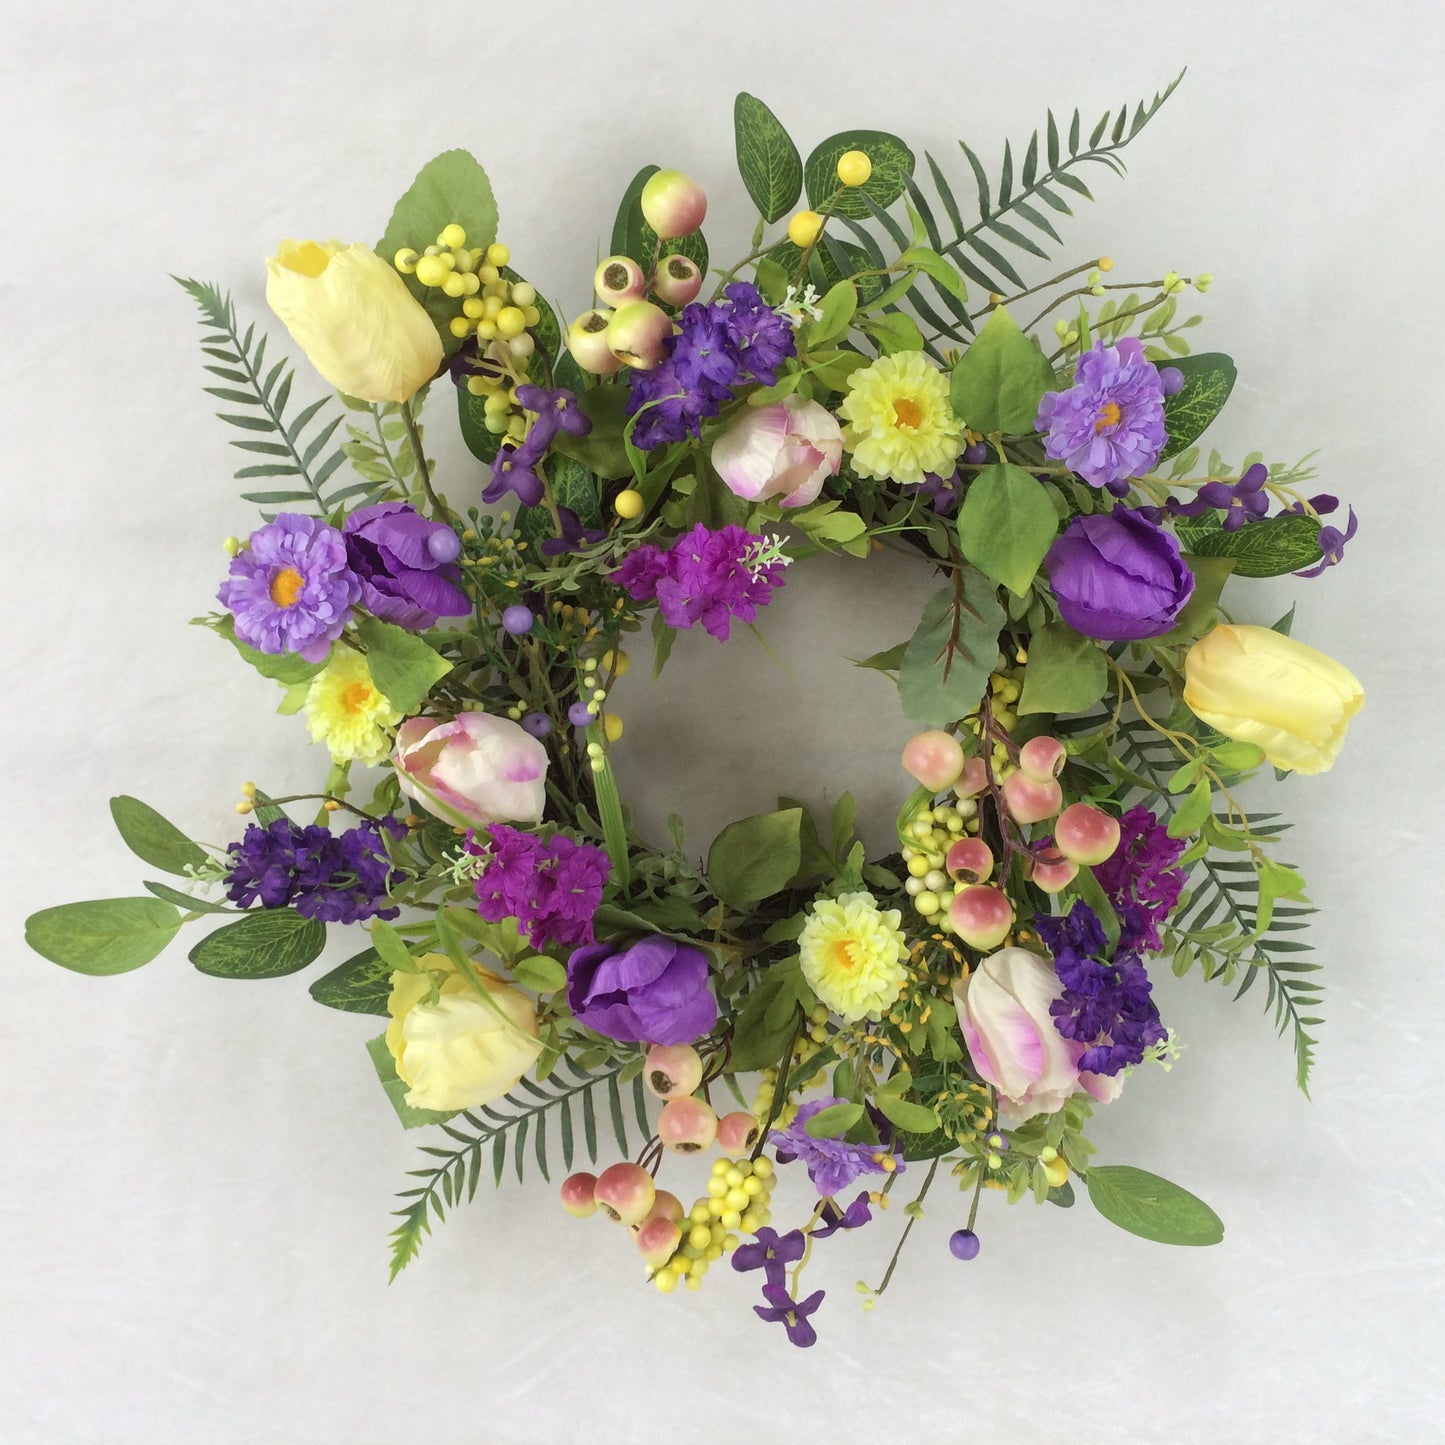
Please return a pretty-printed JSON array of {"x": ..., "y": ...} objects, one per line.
[
  {"x": 786, "y": 449},
  {"x": 474, "y": 770}
]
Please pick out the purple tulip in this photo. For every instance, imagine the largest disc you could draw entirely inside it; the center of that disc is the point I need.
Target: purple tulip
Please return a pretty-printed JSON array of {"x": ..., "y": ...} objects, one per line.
[
  {"x": 653, "y": 991},
  {"x": 406, "y": 565},
  {"x": 1118, "y": 577}
]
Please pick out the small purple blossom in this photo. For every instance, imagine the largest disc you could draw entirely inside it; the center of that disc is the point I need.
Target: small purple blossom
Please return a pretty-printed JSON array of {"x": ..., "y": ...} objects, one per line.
[
  {"x": 832, "y": 1219},
  {"x": 515, "y": 471},
  {"x": 557, "y": 409},
  {"x": 1142, "y": 879},
  {"x": 574, "y": 535},
  {"x": 832, "y": 1164},
  {"x": 708, "y": 577},
  {"x": 1332, "y": 546},
  {"x": 943, "y": 493},
  {"x": 782, "y": 1308},
  {"x": 291, "y": 587},
  {"x": 1108, "y": 426},
  {"x": 406, "y": 565},
  {"x": 334, "y": 878},
  {"x": 772, "y": 1253},
  {"x": 1242, "y": 501},
  {"x": 551, "y": 886}
]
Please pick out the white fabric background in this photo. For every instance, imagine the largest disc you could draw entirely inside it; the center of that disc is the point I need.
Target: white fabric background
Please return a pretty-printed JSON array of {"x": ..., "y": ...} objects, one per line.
[{"x": 196, "y": 1174}]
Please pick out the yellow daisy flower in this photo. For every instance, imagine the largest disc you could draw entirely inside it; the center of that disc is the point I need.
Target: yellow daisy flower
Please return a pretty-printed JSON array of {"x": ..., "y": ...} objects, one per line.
[
  {"x": 899, "y": 420},
  {"x": 346, "y": 711},
  {"x": 852, "y": 954}
]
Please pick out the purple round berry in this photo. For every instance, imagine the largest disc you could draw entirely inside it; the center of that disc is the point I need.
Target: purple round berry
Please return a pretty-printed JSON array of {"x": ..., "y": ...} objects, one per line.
[
  {"x": 538, "y": 724},
  {"x": 444, "y": 545},
  {"x": 1171, "y": 379},
  {"x": 975, "y": 454},
  {"x": 964, "y": 1244},
  {"x": 517, "y": 620},
  {"x": 580, "y": 715}
]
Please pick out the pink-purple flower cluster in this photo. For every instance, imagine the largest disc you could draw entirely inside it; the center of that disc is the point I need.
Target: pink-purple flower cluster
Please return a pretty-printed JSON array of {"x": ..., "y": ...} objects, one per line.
[
  {"x": 551, "y": 886},
  {"x": 1142, "y": 879},
  {"x": 706, "y": 576}
]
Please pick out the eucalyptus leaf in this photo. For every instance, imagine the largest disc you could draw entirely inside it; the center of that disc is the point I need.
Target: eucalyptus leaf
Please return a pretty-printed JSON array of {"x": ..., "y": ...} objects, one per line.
[
  {"x": 106, "y": 936},
  {"x": 154, "y": 840},
  {"x": 1152, "y": 1207}
]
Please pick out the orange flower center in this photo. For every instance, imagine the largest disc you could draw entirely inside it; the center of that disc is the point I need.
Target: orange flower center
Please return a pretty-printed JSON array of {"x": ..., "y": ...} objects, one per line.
[
  {"x": 907, "y": 412},
  {"x": 845, "y": 953},
  {"x": 286, "y": 587},
  {"x": 356, "y": 697},
  {"x": 1109, "y": 415}
]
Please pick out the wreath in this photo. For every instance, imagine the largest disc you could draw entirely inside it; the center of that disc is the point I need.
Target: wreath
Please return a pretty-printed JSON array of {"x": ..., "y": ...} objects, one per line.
[{"x": 875, "y": 372}]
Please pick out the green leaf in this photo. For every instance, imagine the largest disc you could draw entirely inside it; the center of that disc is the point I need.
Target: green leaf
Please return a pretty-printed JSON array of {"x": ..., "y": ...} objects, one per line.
[
  {"x": 949, "y": 657},
  {"x": 1006, "y": 525},
  {"x": 186, "y": 902},
  {"x": 837, "y": 308},
  {"x": 1209, "y": 377},
  {"x": 540, "y": 973},
  {"x": 894, "y": 332},
  {"x": 1269, "y": 547},
  {"x": 602, "y": 450},
  {"x": 396, "y": 1091},
  {"x": 402, "y": 666},
  {"x": 151, "y": 838},
  {"x": 999, "y": 380},
  {"x": 269, "y": 943},
  {"x": 109, "y": 935},
  {"x": 1192, "y": 812},
  {"x": 1152, "y": 1207},
  {"x": 939, "y": 268},
  {"x": 450, "y": 187},
  {"x": 768, "y": 161},
  {"x": 758, "y": 1042},
  {"x": 1201, "y": 611},
  {"x": 361, "y": 985},
  {"x": 1065, "y": 673},
  {"x": 892, "y": 167},
  {"x": 287, "y": 668},
  {"x": 755, "y": 857},
  {"x": 911, "y": 1118},
  {"x": 889, "y": 660},
  {"x": 1238, "y": 757},
  {"x": 834, "y": 1121}
]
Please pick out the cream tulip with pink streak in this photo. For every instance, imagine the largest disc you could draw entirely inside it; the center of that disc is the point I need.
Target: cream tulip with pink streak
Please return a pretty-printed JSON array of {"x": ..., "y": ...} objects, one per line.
[
  {"x": 786, "y": 449},
  {"x": 474, "y": 770},
  {"x": 1003, "y": 1012}
]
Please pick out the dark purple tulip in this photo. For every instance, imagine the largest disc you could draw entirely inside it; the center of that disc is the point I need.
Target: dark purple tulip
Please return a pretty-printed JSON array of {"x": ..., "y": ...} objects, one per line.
[
  {"x": 653, "y": 991},
  {"x": 406, "y": 565}
]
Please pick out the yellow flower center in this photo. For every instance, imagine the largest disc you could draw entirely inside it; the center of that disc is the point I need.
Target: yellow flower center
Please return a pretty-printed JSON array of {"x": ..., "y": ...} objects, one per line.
[
  {"x": 1109, "y": 415},
  {"x": 286, "y": 587},
  {"x": 906, "y": 412},
  {"x": 845, "y": 953},
  {"x": 357, "y": 697},
  {"x": 306, "y": 258}
]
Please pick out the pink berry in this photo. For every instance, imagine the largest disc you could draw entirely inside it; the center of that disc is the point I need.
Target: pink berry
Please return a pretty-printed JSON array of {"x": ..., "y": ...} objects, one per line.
[
  {"x": 935, "y": 758},
  {"x": 672, "y": 204},
  {"x": 657, "y": 1241},
  {"x": 687, "y": 1126},
  {"x": 1086, "y": 834},
  {"x": 638, "y": 334},
  {"x": 970, "y": 860},
  {"x": 578, "y": 1195},
  {"x": 665, "y": 1206},
  {"x": 1051, "y": 871},
  {"x": 618, "y": 280},
  {"x": 981, "y": 916},
  {"x": 974, "y": 779},
  {"x": 625, "y": 1193},
  {"x": 1042, "y": 758},
  {"x": 587, "y": 341},
  {"x": 672, "y": 1071},
  {"x": 677, "y": 280},
  {"x": 1031, "y": 802},
  {"x": 737, "y": 1133}
]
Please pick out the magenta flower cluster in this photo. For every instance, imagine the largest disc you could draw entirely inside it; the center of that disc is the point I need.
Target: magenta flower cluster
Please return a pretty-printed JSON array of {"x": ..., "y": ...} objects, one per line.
[{"x": 551, "y": 886}]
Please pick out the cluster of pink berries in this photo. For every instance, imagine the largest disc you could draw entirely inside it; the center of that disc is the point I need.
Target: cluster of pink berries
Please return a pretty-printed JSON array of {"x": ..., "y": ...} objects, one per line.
[
  {"x": 978, "y": 912},
  {"x": 626, "y": 329},
  {"x": 678, "y": 1245}
]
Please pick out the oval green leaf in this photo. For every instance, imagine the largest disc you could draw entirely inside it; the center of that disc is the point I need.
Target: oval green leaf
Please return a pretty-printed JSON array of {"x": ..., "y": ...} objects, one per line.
[
  {"x": 911, "y": 1118},
  {"x": 1152, "y": 1207},
  {"x": 266, "y": 944},
  {"x": 834, "y": 1121},
  {"x": 151, "y": 838},
  {"x": 106, "y": 936},
  {"x": 1208, "y": 379},
  {"x": 402, "y": 666},
  {"x": 1006, "y": 525},
  {"x": 768, "y": 161},
  {"x": 755, "y": 857},
  {"x": 361, "y": 985}
]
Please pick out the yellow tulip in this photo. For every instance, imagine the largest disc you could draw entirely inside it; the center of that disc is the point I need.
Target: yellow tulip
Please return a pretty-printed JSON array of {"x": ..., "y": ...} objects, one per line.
[
  {"x": 1259, "y": 686},
  {"x": 463, "y": 1050},
  {"x": 351, "y": 313}
]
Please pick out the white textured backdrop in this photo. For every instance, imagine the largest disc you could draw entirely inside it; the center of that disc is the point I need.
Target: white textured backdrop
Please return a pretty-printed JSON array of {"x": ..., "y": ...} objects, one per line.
[{"x": 195, "y": 1174}]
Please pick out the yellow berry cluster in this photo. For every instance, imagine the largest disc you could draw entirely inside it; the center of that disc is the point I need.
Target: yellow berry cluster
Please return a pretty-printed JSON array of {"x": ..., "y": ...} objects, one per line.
[
  {"x": 930, "y": 832},
  {"x": 966, "y": 1112},
  {"x": 1005, "y": 684},
  {"x": 737, "y": 1200},
  {"x": 810, "y": 1043}
]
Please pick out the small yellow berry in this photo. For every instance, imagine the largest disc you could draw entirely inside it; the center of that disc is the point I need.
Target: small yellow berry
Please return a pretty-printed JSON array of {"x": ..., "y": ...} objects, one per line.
[
  {"x": 510, "y": 322},
  {"x": 405, "y": 260},
  {"x": 611, "y": 726},
  {"x": 805, "y": 228},
  {"x": 523, "y": 295},
  {"x": 1106, "y": 263},
  {"x": 431, "y": 271},
  {"x": 233, "y": 545},
  {"x": 245, "y": 807},
  {"x": 617, "y": 663},
  {"x": 452, "y": 236},
  {"x": 459, "y": 326},
  {"x": 498, "y": 255},
  {"x": 628, "y": 504},
  {"x": 854, "y": 168},
  {"x": 665, "y": 1280}
]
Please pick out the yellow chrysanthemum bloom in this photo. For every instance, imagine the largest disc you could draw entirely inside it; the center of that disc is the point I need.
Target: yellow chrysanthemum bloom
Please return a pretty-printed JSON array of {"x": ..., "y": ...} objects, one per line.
[
  {"x": 852, "y": 954},
  {"x": 346, "y": 711},
  {"x": 900, "y": 423}
]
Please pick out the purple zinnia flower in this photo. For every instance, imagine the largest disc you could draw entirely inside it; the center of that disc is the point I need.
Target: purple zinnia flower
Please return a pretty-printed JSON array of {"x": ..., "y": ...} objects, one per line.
[
  {"x": 706, "y": 576},
  {"x": 1108, "y": 426},
  {"x": 832, "y": 1164},
  {"x": 406, "y": 565},
  {"x": 291, "y": 587},
  {"x": 771, "y": 1253},
  {"x": 551, "y": 886},
  {"x": 783, "y": 1309},
  {"x": 652, "y": 991},
  {"x": 1142, "y": 879},
  {"x": 333, "y": 878}
]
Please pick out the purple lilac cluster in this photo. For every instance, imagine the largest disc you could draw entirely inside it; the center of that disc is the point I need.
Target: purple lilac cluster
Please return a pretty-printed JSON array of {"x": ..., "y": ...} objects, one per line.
[
  {"x": 1142, "y": 879},
  {"x": 551, "y": 886},
  {"x": 1108, "y": 426},
  {"x": 516, "y": 467},
  {"x": 334, "y": 878},
  {"x": 706, "y": 576},
  {"x": 1106, "y": 1003},
  {"x": 832, "y": 1164},
  {"x": 721, "y": 346}
]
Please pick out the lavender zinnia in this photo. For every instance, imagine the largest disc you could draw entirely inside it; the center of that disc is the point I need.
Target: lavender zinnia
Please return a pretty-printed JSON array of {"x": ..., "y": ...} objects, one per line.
[{"x": 832, "y": 1164}]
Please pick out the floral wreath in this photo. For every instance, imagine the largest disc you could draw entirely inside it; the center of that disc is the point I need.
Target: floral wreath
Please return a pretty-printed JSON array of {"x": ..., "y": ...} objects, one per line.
[{"x": 878, "y": 374}]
